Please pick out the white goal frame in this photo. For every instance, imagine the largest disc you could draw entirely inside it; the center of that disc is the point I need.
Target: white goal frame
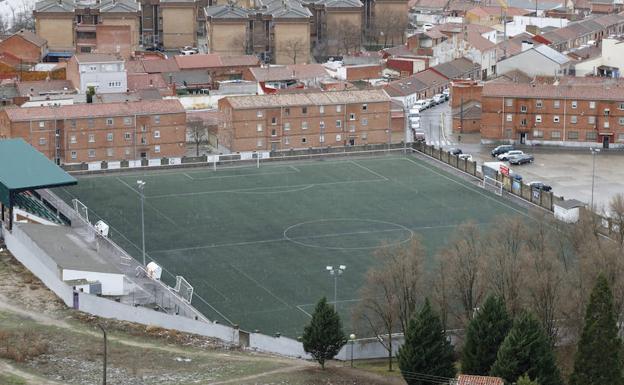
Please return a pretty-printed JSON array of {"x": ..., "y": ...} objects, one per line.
[
  {"x": 81, "y": 209},
  {"x": 184, "y": 289},
  {"x": 493, "y": 185}
]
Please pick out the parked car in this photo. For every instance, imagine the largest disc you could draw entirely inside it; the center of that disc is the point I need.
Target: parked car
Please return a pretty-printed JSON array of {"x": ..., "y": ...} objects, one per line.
[
  {"x": 419, "y": 136},
  {"x": 465, "y": 156},
  {"x": 505, "y": 156},
  {"x": 420, "y": 105},
  {"x": 438, "y": 98},
  {"x": 428, "y": 103},
  {"x": 454, "y": 151},
  {"x": 521, "y": 159},
  {"x": 540, "y": 186},
  {"x": 414, "y": 111},
  {"x": 446, "y": 93},
  {"x": 427, "y": 26},
  {"x": 502, "y": 149},
  {"x": 415, "y": 125}
]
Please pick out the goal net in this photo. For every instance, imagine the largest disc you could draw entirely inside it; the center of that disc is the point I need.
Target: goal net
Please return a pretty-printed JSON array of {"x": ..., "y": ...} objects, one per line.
[
  {"x": 493, "y": 185},
  {"x": 184, "y": 289},
  {"x": 81, "y": 210}
]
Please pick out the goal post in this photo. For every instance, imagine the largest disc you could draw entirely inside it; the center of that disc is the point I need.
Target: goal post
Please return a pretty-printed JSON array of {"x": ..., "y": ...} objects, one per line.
[
  {"x": 493, "y": 185},
  {"x": 184, "y": 289},
  {"x": 81, "y": 209}
]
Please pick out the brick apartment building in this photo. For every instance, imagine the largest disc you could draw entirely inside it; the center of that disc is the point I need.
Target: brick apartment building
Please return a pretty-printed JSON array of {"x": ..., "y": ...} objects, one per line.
[
  {"x": 572, "y": 111},
  {"x": 97, "y": 132},
  {"x": 303, "y": 120}
]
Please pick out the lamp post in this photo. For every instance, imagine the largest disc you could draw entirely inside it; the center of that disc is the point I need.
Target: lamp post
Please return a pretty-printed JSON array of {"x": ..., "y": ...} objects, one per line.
[
  {"x": 594, "y": 152},
  {"x": 336, "y": 272},
  {"x": 352, "y": 339},
  {"x": 104, "y": 372},
  {"x": 141, "y": 185}
]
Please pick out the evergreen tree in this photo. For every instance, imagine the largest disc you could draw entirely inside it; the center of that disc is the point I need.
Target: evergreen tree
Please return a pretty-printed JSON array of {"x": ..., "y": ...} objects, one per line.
[
  {"x": 323, "y": 337},
  {"x": 486, "y": 332},
  {"x": 526, "y": 350},
  {"x": 525, "y": 380},
  {"x": 598, "y": 359},
  {"x": 426, "y": 350}
]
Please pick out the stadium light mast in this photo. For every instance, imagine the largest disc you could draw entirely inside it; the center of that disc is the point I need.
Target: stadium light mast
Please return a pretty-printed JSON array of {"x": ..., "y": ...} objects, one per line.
[
  {"x": 336, "y": 272},
  {"x": 141, "y": 185}
]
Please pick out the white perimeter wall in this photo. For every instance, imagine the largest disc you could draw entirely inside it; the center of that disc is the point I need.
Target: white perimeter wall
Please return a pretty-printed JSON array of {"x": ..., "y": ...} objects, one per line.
[{"x": 112, "y": 284}]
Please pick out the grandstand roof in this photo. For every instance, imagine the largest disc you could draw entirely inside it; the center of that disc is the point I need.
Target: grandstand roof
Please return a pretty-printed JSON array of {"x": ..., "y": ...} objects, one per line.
[{"x": 23, "y": 168}]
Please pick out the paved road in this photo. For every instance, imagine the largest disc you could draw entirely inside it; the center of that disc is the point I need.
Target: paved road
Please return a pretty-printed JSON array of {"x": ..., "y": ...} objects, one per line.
[{"x": 436, "y": 123}]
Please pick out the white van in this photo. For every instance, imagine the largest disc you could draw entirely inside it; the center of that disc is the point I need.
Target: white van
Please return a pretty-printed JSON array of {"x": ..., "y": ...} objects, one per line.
[{"x": 420, "y": 105}]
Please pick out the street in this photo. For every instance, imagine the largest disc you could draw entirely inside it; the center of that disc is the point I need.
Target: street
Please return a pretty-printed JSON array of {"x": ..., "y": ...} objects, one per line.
[{"x": 436, "y": 133}]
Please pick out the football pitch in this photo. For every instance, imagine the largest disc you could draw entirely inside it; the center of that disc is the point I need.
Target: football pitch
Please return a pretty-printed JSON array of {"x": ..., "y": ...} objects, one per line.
[{"x": 255, "y": 242}]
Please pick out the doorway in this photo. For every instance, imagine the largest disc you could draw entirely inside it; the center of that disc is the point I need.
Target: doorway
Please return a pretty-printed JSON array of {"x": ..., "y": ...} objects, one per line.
[
  {"x": 605, "y": 141},
  {"x": 352, "y": 142},
  {"x": 523, "y": 136}
]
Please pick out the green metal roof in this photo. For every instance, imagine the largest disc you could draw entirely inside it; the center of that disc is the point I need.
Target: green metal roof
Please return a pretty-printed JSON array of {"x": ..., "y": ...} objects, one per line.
[{"x": 23, "y": 168}]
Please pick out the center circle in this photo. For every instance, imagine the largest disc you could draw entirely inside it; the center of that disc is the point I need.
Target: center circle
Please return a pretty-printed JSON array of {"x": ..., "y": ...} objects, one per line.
[{"x": 348, "y": 234}]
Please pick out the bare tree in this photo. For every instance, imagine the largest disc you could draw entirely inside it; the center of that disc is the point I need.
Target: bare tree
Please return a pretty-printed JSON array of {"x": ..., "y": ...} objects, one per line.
[
  {"x": 294, "y": 48},
  {"x": 345, "y": 37},
  {"x": 464, "y": 261},
  {"x": 616, "y": 214},
  {"x": 389, "y": 26},
  {"x": 391, "y": 291},
  {"x": 197, "y": 132},
  {"x": 441, "y": 290}
]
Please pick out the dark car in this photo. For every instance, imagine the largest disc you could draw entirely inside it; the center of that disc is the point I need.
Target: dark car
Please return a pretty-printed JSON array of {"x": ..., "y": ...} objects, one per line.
[
  {"x": 454, "y": 151},
  {"x": 540, "y": 186},
  {"x": 502, "y": 149},
  {"x": 521, "y": 159}
]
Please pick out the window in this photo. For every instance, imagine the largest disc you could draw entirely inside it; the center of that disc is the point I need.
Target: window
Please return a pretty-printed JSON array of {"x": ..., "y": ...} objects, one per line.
[
  {"x": 573, "y": 119},
  {"x": 109, "y": 137},
  {"x": 321, "y": 138},
  {"x": 114, "y": 84},
  {"x": 127, "y": 121},
  {"x": 338, "y": 123},
  {"x": 91, "y": 138},
  {"x": 274, "y": 132},
  {"x": 573, "y": 135},
  {"x": 620, "y": 137},
  {"x": 259, "y": 127},
  {"x": 274, "y": 120},
  {"x": 339, "y": 108},
  {"x": 621, "y": 121},
  {"x": 523, "y": 109},
  {"x": 91, "y": 153},
  {"x": 523, "y": 122},
  {"x": 259, "y": 143},
  {"x": 287, "y": 111},
  {"x": 538, "y": 133},
  {"x": 92, "y": 68},
  {"x": 143, "y": 140},
  {"x": 304, "y": 110},
  {"x": 157, "y": 148},
  {"x": 508, "y": 102},
  {"x": 574, "y": 104},
  {"x": 364, "y": 135},
  {"x": 621, "y": 106},
  {"x": 303, "y": 140},
  {"x": 555, "y": 135},
  {"x": 259, "y": 113},
  {"x": 304, "y": 125},
  {"x": 538, "y": 118},
  {"x": 156, "y": 134},
  {"x": 556, "y": 103},
  {"x": 592, "y": 105},
  {"x": 322, "y": 125},
  {"x": 286, "y": 140},
  {"x": 364, "y": 107},
  {"x": 72, "y": 139},
  {"x": 590, "y": 135},
  {"x": 364, "y": 122},
  {"x": 556, "y": 119},
  {"x": 41, "y": 124},
  {"x": 338, "y": 138},
  {"x": 321, "y": 109},
  {"x": 605, "y": 124},
  {"x": 591, "y": 119},
  {"x": 109, "y": 152},
  {"x": 509, "y": 118},
  {"x": 90, "y": 122},
  {"x": 42, "y": 141},
  {"x": 143, "y": 128},
  {"x": 286, "y": 126},
  {"x": 74, "y": 154},
  {"x": 156, "y": 119},
  {"x": 352, "y": 128},
  {"x": 127, "y": 136},
  {"x": 539, "y": 103},
  {"x": 127, "y": 151},
  {"x": 352, "y": 116},
  {"x": 607, "y": 112}
]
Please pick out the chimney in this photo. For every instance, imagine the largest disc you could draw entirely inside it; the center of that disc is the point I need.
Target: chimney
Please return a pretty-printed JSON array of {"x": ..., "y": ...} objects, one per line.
[{"x": 526, "y": 45}]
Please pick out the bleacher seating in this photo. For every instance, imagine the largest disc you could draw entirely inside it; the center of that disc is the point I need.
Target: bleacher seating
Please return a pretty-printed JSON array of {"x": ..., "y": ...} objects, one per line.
[{"x": 27, "y": 202}]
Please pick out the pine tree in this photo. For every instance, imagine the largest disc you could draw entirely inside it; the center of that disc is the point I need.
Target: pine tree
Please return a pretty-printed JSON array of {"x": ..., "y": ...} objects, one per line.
[
  {"x": 486, "y": 332},
  {"x": 525, "y": 380},
  {"x": 526, "y": 350},
  {"x": 426, "y": 350},
  {"x": 323, "y": 337},
  {"x": 599, "y": 356}
]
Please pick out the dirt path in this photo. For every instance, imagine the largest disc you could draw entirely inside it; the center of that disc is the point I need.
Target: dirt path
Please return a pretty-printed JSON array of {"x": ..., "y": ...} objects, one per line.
[
  {"x": 30, "y": 378},
  {"x": 295, "y": 368}
]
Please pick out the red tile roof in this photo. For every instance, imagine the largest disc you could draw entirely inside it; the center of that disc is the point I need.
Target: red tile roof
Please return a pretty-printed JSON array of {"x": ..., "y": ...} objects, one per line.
[
  {"x": 74, "y": 111},
  {"x": 607, "y": 90},
  {"x": 146, "y": 81},
  {"x": 465, "y": 379},
  {"x": 160, "y": 66},
  {"x": 198, "y": 61}
]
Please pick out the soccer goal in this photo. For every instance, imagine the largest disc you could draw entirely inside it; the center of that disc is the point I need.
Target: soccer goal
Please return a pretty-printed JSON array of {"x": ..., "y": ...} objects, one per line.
[
  {"x": 184, "y": 289},
  {"x": 81, "y": 209},
  {"x": 493, "y": 185}
]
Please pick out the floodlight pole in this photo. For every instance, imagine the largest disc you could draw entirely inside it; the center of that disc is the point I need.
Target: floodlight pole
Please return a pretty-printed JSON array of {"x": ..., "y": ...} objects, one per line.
[
  {"x": 594, "y": 152},
  {"x": 352, "y": 339},
  {"x": 336, "y": 272},
  {"x": 141, "y": 185}
]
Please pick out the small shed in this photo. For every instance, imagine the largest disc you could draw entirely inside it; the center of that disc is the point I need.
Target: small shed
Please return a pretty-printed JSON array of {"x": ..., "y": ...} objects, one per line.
[{"x": 568, "y": 210}]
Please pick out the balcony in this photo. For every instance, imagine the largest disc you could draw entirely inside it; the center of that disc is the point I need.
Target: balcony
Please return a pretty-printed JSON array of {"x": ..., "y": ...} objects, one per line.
[{"x": 83, "y": 27}]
